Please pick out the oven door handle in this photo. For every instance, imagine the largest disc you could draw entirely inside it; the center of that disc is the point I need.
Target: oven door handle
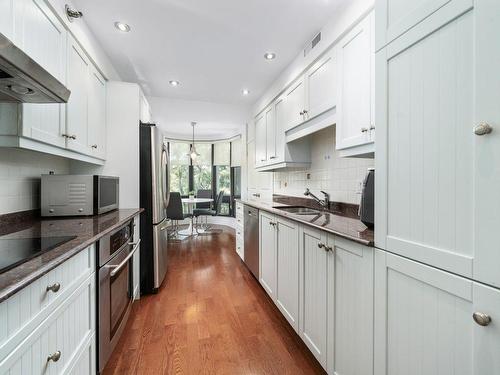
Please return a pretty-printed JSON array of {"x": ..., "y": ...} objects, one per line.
[{"x": 124, "y": 261}]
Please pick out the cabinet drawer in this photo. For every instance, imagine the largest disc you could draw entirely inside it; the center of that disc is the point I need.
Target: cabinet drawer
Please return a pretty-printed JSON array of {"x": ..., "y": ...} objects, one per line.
[
  {"x": 26, "y": 310},
  {"x": 68, "y": 331}
]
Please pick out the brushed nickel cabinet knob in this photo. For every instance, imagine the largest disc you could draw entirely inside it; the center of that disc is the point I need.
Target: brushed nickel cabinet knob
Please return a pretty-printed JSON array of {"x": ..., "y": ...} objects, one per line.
[
  {"x": 364, "y": 130},
  {"x": 94, "y": 146},
  {"x": 481, "y": 318},
  {"x": 321, "y": 245},
  {"x": 483, "y": 129},
  {"x": 53, "y": 288},
  {"x": 54, "y": 357}
]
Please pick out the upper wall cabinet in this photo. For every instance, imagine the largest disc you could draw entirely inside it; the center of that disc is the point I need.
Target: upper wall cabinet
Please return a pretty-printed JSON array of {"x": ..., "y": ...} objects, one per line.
[
  {"x": 355, "y": 107},
  {"x": 75, "y": 130},
  {"x": 97, "y": 114},
  {"x": 438, "y": 146},
  {"x": 7, "y": 18},
  {"x": 321, "y": 85},
  {"x": 77, "y": 109},
  {"x": 395, "y": 17},
  {"x": 271, "y": 150}
]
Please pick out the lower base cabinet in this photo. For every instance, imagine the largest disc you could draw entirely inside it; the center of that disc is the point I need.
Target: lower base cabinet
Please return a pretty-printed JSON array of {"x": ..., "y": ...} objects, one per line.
[
  {"x": 62, "y": 344},
  {"x": 431, "y": 322}
]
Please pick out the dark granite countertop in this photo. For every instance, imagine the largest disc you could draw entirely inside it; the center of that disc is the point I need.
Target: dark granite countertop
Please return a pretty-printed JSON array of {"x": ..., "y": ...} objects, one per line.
[
  {"x": 342, "y": 223},
  {"x": 86, "y": 229}
]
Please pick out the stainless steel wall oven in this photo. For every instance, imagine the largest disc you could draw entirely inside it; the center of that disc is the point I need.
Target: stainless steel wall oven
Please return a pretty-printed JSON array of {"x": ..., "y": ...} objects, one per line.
[{"x": 115, "y": 292}]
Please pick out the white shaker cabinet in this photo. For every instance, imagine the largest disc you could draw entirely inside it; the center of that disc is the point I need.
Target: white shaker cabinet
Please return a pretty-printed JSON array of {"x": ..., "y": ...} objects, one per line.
[
  {"x": 295, "y": 103},
  {"x": 77, "y": 108},
  {"x": 260, "y": 139},
  {"x": 395, "y": 17},
  {"x": 350, "y": 325},
  {"x": 425, "y": 321},
  {"x": 438, "y": 179},
  {"x": 355, "y": 107},
  {"x": 7, "y": 18},
  {"x": 267, "y": 253},
  {"x": 97, "y": 114},
  {"x": 40, "y": 34},
  {"x": 287, "y": 285},
  {"x": 270, "y": 134},
  {"x": 321, "y": 85},
  {"x": 315, "y": 275}
]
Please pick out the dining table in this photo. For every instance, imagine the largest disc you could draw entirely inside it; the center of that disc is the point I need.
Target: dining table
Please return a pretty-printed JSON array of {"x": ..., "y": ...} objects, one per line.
[{"x": 190, "y": 203}]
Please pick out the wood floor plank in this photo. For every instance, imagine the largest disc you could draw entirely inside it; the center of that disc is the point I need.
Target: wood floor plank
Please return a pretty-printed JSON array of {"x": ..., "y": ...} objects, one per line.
[{"x": 210, "y": 316}]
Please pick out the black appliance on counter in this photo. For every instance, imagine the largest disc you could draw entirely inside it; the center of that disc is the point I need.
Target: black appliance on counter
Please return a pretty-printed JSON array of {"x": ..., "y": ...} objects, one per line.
[
  {"x": 154, "y": 196},
  {"x": 367, "y": 205}
]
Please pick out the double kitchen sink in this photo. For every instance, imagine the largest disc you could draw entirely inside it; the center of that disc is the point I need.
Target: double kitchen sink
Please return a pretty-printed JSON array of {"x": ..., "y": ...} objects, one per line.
[{"x": 299, "y": 210}]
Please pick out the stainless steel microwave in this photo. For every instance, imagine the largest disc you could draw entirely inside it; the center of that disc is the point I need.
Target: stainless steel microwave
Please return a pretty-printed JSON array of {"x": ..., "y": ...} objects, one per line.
[{"x": 75, "y": 195}]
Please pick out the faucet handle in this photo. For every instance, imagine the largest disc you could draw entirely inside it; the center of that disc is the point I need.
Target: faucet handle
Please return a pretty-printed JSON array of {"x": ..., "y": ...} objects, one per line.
[{"x": 307, "y": 191}]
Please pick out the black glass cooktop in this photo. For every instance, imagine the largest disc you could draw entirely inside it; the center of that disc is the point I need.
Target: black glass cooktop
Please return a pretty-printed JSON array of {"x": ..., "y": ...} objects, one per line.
[{"x": 15, "y": 251}]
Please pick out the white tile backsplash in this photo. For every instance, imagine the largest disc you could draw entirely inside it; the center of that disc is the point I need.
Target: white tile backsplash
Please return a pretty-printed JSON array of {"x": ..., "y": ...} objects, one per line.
[
  {"x": 20, "y": 172},
  {"x": 339, "y": 177}
]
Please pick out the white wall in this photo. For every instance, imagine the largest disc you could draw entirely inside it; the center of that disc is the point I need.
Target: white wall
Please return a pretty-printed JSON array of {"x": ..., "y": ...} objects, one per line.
[
  {"x": 339, "y": 177},
  {"x": 20, "y": 172},
  {"x": 215, "y": 120}
]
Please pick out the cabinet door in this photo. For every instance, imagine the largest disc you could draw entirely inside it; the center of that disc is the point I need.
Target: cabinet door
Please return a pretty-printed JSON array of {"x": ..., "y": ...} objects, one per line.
[
  {"x": 314, "y": 275},
  {"x": 260, "y": 140},
  {"x": 321, "y": 83},
  {"x": 280, "y": 121},
  {"x": 252, "y": 180},
  {"x": 7, "y": 18},
  {"x": 97, "y": 114},
  {"x": 437, "y": 181},
  {"x": 43, "y": 37},
  {"x": 395, "y": 17},
  {"x": 267, "y": 250},
  {"x": 287, "y": 287},
  {"x": 295, "y": 104},
  {"x": 77, "y": 107},
  {"x": 354, "y": 107},
  {"x": 350, "y": 345},
  {"x": 270, "y": 135},
  {"x": 424, "y": 321}
]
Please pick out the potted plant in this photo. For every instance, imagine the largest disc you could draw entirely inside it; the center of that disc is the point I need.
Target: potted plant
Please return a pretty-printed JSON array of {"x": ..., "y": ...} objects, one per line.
[{"x": 191, "y": 195}]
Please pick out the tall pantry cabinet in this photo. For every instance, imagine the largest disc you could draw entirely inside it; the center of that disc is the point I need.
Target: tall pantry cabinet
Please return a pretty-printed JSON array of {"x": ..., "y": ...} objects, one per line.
[{"x": 438, "y": 178}]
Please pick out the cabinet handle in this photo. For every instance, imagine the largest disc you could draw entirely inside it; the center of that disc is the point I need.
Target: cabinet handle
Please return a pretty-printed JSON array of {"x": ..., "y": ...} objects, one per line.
[
  {"x": 481, "y": 318},
  {"x": 54, "y": 357},
  {"x": 94, "y": 146},
  {"x": 262, "y": 159},
  {"x": 321, "y": 245},
  {"x": 305, "y": 111},
  {"x": 272, "y": 157},
  {"x": 71, "y": 137},
  {"x": 483, "y": 129},
  {"x": 328, "y": 249},
  {"x": 53, "y": 288},
  {"x": 372, "y": 127},
  {"x": 64, "y": 135},
  {"x": 364, "y": 130},
  {"x": 301, "y": 113}
]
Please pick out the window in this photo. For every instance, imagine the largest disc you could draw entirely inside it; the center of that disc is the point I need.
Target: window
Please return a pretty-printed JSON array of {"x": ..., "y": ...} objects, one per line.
[
  {"x": 179, "y": 169},
  {"x": 202, "y": 168},
  {"x": 211, "y": 170}
]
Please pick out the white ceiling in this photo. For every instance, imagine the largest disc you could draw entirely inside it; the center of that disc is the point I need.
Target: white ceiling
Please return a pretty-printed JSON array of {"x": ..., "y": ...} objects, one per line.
[{"x": 214, "y": 48}]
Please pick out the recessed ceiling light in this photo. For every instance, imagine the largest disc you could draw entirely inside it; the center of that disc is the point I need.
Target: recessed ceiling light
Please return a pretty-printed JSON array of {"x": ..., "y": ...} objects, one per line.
[
  {"x": 245, "y": 91},
  {"x": 174, "y": 83},
  {"x": 269, "y": 56},
  {"x": 122, "y": 27}
]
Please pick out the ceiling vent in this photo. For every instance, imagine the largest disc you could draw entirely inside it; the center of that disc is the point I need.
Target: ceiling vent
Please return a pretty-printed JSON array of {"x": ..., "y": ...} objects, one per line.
[{"x": 314, "y": 42}]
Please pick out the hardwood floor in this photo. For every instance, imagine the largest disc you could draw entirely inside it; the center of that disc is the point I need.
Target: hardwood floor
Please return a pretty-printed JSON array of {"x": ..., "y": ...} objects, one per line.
[{"x": 210, "y": 317}]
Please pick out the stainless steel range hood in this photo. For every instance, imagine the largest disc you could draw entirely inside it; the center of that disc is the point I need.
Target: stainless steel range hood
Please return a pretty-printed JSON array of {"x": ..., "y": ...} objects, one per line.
[{"x": 23, "y": 80}]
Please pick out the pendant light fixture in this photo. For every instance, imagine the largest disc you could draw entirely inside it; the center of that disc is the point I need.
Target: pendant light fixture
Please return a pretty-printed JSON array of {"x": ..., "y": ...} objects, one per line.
[{"x": 192, "y": 152}]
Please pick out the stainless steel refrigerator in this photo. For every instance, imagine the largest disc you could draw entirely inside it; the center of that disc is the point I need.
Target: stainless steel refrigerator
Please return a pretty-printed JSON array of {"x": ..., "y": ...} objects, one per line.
[{"x": 154, "y": 196}]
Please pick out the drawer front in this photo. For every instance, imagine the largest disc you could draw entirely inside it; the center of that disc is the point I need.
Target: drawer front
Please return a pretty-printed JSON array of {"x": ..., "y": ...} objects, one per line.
[
  {"x": 67, "y": 331},
  {"x": 26, "y": 310}
]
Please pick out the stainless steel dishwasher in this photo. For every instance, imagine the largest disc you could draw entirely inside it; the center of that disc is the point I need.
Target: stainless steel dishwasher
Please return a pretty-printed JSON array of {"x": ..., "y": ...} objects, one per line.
[{"x": 251, "y": 226}]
